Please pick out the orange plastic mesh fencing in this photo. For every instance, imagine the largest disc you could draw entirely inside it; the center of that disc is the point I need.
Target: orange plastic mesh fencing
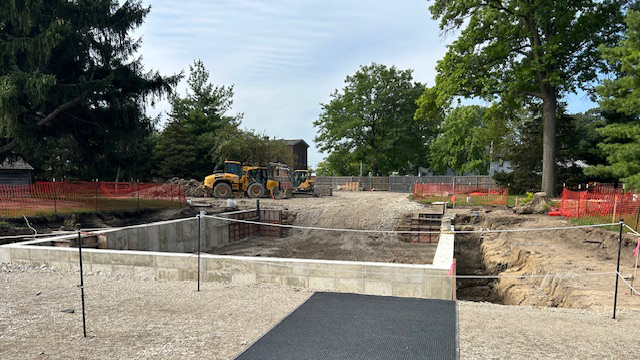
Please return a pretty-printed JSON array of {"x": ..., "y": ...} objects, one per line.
[
  {"x": 461, "y": 194},
  {"x": 601, "y": 205},
  {"x": 44, "y": 198}
]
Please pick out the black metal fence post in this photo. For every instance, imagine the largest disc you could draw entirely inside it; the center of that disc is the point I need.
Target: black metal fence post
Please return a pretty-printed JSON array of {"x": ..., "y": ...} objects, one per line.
[
  {"x": 199, "y": 238},
  {"x": 84, "y": 321},
  {"x": 258, "y": 209},
  {"x": 615, "y": 296}
]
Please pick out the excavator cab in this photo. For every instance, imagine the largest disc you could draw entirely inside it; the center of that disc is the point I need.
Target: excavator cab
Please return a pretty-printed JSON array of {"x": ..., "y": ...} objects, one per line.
[{"x": 302, "y": 181}]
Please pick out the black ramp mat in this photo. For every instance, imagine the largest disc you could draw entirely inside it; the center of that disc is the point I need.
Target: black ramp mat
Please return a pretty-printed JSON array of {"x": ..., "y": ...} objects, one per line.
[{"x": 352, "y": 326}]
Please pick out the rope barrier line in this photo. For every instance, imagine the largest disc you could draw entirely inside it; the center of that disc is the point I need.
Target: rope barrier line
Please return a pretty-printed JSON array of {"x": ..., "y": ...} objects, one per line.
[
  {"x": 629, "y": 285},
  {"x": 408, "y": 231},
  {"x": 632, "y": 230},
  {"x": 438, "y": 276}
]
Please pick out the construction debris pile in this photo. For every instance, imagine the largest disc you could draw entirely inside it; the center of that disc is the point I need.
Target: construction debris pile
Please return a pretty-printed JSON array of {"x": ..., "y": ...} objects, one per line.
[{"x": 192, "y": 188}]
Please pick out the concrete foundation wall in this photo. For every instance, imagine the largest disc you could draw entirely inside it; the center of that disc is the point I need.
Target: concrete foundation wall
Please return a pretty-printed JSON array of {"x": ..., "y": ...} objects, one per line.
[
  {"x": 424, "y": 281},
  {"x": 182, "y": 235}
]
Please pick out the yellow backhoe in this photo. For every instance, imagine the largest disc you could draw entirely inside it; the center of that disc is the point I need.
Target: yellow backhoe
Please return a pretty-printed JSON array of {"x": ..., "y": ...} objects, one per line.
[{"x": 235, "y": 178}]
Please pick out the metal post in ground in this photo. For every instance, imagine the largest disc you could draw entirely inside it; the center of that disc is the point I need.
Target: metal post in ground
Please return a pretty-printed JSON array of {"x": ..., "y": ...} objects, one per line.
[
  {"x": 84, "y": 320},
  {"x": 258, "y": 209},
  {"x": 615, "y": 296},
  {"x": 199, "y": 236}
]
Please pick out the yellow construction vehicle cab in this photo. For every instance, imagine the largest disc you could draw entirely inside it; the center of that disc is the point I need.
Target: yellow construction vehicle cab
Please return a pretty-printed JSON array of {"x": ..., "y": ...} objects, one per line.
[
  {"x": 254, "y": 180},
  {"x": 258, "y": 183},
  {"x": 225, "y": 181},
  {"x": 302, "y": 181}
]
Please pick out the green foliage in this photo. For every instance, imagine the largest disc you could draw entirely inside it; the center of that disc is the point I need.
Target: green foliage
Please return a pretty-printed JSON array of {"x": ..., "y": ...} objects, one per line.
[
  {"x": 185, "y": 146},
  {"x": 525, "y": 52},
  {"x": 526, "y": 199},
  {"x": 577, "y": 136},
  {"x": 621, "y": 142},
  {"x": 72, "y": 85},
  {"x": 372, "y": 120},
  {"x": 463, "y": 144},
  {"x": 249, "y": 147}
]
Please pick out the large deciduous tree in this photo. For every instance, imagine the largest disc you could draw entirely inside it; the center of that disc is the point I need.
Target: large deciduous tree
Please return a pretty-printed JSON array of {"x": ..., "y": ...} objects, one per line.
[
  {"x": 371, "y": 120},
  {"x": 522, "y": 51},
  {"x": 463, "y": 143},
  {"x": 249, "y": 147},
  {"x": 185, "y": 145},
  {"x": 69, "y": 76},
  {"x": 622, "y": 95}
]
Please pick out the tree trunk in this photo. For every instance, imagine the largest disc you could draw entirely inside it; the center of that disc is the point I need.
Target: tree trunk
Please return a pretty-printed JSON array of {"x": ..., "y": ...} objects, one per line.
[
  {"x": 549, "y": 106},
  {"x": 374, "y": 168}
]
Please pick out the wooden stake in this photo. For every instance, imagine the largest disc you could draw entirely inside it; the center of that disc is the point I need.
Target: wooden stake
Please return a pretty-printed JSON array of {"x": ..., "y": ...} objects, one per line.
[
  {"x": 454, "y": 281},
  {"x": 615, "y": 207}
]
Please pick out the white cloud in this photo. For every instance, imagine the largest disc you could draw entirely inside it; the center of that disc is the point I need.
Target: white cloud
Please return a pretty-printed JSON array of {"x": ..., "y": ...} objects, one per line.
[{"x": 285, "y": 56}]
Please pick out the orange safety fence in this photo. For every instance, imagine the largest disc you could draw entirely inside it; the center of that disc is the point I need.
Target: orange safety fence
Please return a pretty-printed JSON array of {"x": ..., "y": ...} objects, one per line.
[
  {"x": 601, "y": 205},
  {"x": 461, "y": 194},
  {"x": 44, "y": 198}
]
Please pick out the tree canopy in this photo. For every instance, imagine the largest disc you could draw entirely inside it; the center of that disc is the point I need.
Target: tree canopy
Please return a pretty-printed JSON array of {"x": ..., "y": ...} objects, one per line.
[
  {"x": 371, "y": 120},
  {"x": 463, "y": 144},
  {"x": 185, "y": 145},
  {"x": 70, "y": 81},
  {"x": 621, "y": 141},
  {"x": 526, "y": 52},
  {"x": 250, "y": 147}
]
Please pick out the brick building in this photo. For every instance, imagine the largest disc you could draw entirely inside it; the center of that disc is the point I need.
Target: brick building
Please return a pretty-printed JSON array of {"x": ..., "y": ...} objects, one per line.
[{"x": 299, "y": 150}]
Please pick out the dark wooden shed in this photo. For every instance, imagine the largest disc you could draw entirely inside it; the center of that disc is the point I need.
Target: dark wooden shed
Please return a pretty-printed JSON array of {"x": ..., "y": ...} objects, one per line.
[{"x": 15, "y": 171}]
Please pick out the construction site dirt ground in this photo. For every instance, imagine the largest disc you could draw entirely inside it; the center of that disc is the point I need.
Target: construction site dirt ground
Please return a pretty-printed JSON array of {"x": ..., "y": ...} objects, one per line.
[
  {"x": 129, "y": 318},
  {"x": 344, "y": 210},
  {"x": 574, "y": 268}
]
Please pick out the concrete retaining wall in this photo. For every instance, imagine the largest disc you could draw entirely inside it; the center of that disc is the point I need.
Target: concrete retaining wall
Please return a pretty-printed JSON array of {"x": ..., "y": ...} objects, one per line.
[{"x": 425, "y": 281}]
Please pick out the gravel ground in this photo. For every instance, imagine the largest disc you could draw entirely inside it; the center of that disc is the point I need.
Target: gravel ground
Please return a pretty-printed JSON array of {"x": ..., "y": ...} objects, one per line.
[
  {"x": 490, "y": 331},
  {"x": 146, "y": 319},
  {"x": 133, "y": 319}
]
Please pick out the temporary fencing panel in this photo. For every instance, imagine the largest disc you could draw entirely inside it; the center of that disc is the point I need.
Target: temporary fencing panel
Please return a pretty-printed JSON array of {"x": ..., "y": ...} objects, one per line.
[
  {"x": 56, "y": 197},
  {"x": 462, "y": 194},
  {"x": 601, "y": 205},
  {"x": 404, "y": 183}
]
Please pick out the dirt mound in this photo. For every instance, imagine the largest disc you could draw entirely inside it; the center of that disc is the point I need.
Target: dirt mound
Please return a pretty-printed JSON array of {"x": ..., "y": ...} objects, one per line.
[{"x": 192, "y": 188}]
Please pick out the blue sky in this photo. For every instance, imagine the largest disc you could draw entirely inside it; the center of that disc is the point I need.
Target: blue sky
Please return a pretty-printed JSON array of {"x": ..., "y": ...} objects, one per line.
[{"x": 285, "y": 57}]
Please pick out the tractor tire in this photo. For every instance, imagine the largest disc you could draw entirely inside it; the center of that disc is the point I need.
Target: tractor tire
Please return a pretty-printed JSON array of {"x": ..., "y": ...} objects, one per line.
[
  {"x": 222, "y": 190},
  {"x": 256, "y": 190}
]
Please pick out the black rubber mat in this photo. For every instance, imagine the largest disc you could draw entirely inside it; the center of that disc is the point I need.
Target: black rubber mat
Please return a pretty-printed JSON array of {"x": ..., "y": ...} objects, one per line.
[{"x": 351, "y": 326}]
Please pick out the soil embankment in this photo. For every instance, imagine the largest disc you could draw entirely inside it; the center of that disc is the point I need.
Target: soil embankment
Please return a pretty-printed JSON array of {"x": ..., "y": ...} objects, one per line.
[{"x": 572, "y": 268}]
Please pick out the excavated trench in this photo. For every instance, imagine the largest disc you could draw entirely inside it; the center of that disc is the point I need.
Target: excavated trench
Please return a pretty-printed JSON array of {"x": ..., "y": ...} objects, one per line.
[{"x": 470, "y": 261}]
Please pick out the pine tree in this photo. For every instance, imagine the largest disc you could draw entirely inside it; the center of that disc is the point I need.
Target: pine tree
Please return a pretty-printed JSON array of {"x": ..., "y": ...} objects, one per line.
[
  {"x": 622, "y": 140},
  {"x": 68, "y": 69}
]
